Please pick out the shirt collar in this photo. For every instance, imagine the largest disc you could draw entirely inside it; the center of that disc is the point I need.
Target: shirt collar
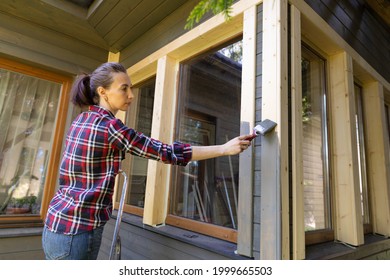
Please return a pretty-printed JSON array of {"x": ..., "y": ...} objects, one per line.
[{"x": 101, "y": 110}]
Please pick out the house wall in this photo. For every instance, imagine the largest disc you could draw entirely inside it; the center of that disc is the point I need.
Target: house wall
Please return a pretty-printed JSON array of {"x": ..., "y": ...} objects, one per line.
[
  {"x": 21, "y": 248},
  {"x": 140, "y": 242},
  {"x": 381, "y": 256},
  {"x": 356, "y": 23},
  {"x": 23, "y": 244},
  {"x": 47, "y": 48}
]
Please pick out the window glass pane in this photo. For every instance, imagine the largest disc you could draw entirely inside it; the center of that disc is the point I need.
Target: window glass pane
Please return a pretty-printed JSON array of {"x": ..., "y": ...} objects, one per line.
[
  {"x": 140, "y": 118},
  {"x": 387, "y": 112},
  {"x": 28, "y": 108},
  {"x": 315, "y": 155},
  {"x": 387, "y": 116},
  {"x": 361, "y": 155},
  {"x": 209, "y": 113}
]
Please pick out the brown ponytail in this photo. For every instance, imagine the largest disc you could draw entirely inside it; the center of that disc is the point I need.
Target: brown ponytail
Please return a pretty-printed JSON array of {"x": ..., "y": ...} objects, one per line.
[
  {"x": 84, "y": 89},
  {"x": 81, "y": 92}
]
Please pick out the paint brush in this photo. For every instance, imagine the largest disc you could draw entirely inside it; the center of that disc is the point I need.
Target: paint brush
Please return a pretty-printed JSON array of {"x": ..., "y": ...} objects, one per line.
[{"x": 263, "y": 128}]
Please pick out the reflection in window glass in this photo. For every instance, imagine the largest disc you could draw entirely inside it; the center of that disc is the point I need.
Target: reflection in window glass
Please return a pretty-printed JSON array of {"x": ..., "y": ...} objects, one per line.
[
  {"x": 315, "y": 150},
  {"x": 140, "y": 118},
  {"x": 387, "y": 112},
  {"x": 209, "y": 113},
  {"x": 361, "y": 155},
  {"x": 28, "y": 108}
]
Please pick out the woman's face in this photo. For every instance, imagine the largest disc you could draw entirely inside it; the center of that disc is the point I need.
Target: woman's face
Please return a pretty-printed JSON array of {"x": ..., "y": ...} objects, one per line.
[{"x": 119, "y": 95}]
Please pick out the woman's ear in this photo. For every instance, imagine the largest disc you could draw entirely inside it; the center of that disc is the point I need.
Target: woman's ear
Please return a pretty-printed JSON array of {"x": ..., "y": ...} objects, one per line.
[{"x": 102, "y": 92}]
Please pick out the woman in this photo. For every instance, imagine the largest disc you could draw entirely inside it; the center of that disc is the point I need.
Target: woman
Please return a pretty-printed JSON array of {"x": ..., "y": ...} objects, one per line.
[{"x": 96, "y": 144}]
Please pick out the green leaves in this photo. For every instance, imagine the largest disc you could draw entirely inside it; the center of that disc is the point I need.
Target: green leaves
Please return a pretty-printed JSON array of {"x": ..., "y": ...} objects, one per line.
[{"x": 205, "y": 6}]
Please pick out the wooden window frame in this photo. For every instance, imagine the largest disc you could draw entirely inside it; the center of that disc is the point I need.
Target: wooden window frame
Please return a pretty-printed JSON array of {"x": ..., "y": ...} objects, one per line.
[
  {"x": 327, "y": 233},
  {"x": 225, "y": 233},
  {"x": 56, "y": 146}
]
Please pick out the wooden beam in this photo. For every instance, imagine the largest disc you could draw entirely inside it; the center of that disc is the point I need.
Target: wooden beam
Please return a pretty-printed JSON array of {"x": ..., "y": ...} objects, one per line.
[
  {"x": 157, "y": 185},
  {"x": 113, "y": 57},
  {"x": 298, "y": 224},
  {"x": 274, "y": 218},
  {"x": 348, "y": 213},
  {"x": 377, "y": 151},
  {"x": 248, "y": 90}
]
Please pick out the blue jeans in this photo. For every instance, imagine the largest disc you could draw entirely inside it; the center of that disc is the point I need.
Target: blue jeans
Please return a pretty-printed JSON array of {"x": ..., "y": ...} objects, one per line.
[{"x": 83, "y": 246}]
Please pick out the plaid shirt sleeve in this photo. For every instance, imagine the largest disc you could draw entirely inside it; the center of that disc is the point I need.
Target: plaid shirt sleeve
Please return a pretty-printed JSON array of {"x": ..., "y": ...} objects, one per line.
[{"x": 127, "y": 139}]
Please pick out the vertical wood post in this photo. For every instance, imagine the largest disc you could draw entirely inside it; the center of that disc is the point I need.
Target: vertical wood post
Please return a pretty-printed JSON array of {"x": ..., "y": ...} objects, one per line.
[
  {"x": 248, "y": 88},
  {"x": 298, "y": 221},
  {"x": 157, "y": 185},
  {"x": 348, "y": 213},
  {"x": 274, "y": 218},
  {"x": 378, "y": 162}
]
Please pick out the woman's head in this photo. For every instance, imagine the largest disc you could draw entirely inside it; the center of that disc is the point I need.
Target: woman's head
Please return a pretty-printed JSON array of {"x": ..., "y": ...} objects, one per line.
[{"x": 87, "y": 88}]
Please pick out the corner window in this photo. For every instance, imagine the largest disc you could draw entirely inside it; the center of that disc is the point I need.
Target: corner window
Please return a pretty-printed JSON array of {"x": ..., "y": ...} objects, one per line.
[{"x": 208, "y": 114}]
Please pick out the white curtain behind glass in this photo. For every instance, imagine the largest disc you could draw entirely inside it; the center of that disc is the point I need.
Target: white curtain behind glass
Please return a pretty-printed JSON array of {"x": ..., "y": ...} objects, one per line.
[{"x": 28, "y": 108}]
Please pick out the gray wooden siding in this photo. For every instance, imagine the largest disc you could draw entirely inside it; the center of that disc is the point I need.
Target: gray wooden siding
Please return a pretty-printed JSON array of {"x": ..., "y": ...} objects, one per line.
[
  {"x": 257, "y": 146},
  {"x": 141, "y": 242},
  {"x": 50, "y": 47},
  {"x": 21, "y": 248},
  {"x": 360, "y": 27}
]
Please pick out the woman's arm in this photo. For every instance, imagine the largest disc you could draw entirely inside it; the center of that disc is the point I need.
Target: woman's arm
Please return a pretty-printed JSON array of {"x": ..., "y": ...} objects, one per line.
[{"x": 232, "y": 147}]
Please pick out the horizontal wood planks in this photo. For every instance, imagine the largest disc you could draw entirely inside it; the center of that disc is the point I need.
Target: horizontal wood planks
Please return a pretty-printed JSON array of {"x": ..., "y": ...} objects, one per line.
[
  {"x": 21, "y": 248},
  {"x": 359, "y": 26},
  {"x": 142, "y": 243}
]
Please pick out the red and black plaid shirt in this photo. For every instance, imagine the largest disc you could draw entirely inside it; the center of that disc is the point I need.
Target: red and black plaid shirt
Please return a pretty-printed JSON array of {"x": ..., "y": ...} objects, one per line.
[{"x": 96, "y": 144}]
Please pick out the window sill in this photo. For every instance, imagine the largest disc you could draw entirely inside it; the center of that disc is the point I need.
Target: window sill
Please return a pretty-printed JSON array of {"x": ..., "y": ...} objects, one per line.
[
  {"x": 222, "y": 247},
  {"x": 373, "y": 244}
]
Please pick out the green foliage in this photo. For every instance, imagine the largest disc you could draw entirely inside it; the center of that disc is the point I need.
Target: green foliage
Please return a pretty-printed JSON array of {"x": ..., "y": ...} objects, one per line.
[
  {"x": 233, "y": 51},
  {"x": 204, "y": 6},
  {"x": 306, "y": 109},
  {"x": 27, "y": 201}
]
